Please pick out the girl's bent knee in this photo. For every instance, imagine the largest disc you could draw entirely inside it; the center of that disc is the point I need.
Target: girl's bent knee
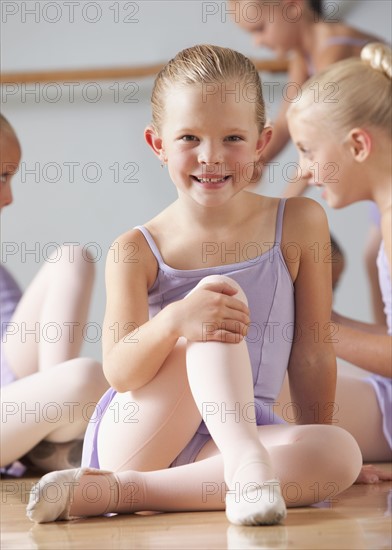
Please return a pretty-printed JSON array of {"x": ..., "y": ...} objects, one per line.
[
  {"x": 225, "y": 279},
  {"x": 86, "y": 378},
  {"x": 78, "y": 262},
  {"x": 344, "y": 456}
]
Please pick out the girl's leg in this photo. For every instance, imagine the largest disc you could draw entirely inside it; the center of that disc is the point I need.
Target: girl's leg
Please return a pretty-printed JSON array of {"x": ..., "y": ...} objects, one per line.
[
  {"x": 150, "y": 422},
  {"x": 356, "y": 409},
  {"x": 153, "y": 424},
  {"x": 220, "y": 377},
  {"x": 215, "y": 373},
  {"x": 54, "y": 405},
  {"x": 47, "y": 326},
  {"x": 313, "y": 463},
  {"x": 218, "y": 373},
  {"x": 359, "y": 413}
]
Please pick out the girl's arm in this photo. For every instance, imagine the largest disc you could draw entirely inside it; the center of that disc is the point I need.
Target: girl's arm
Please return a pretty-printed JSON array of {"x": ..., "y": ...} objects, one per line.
[
  {"x": 134, "y": 346},
  {"x": 358, "y": 325},
  {"x": 312, "y": 366},
  {"x": 369, "y": 351},
  {"x": 297, "y": 75}
]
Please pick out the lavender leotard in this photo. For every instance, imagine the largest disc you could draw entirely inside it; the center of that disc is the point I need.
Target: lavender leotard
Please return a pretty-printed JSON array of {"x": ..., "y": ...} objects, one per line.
[
  {"x": 382, "y": 385},
  {"x": 268, "y": 286},
  {"x": 337, "y": 41},
  {"x": 10, "y": 295}
]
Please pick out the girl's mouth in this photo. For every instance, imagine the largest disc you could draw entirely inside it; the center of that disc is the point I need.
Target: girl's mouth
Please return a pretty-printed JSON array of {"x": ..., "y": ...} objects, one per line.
[{"x": 211, "y": 181}]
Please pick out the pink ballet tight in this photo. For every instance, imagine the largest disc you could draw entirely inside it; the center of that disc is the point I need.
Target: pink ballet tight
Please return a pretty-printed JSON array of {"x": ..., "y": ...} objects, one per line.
[
  {"x": 217, "y": 374},
  {"x": 313, "y": 462},
  {"x": 55, "y": 389}
]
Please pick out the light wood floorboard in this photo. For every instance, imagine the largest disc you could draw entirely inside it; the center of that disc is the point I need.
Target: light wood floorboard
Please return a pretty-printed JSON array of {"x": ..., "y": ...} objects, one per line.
[{"x": 359, "y": 519}]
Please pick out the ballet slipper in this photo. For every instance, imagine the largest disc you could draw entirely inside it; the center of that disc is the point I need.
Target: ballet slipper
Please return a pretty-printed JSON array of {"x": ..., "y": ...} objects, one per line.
[
  {"x": 51, "y": 498},
  {"x": 256, "y": 504}
]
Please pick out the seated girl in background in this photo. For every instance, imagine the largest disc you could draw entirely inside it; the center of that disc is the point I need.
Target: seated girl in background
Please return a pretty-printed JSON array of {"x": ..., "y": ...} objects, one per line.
[
  {"x": 45, "y": 386},
  {"x": 354, "y": 133},
  {"x": 206, "y": 315}
]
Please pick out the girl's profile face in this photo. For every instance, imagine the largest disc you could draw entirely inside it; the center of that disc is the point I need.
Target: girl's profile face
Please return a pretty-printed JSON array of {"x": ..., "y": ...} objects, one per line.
[
  {"x": 9, "y": 162},
  {"x": 271, "y": 24},
  {"x": 324, "y": 160},
  {"x": 211, "y": 140}
]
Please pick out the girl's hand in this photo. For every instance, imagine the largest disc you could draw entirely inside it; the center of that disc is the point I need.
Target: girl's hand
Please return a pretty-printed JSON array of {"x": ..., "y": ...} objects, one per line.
[
  {"x": 370, "y": 474},
  {"x": 211, "y": 313}
]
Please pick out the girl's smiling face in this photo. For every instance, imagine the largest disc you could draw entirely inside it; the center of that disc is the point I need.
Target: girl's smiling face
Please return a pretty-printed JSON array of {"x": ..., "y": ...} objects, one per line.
[
  {"x": 210, "y": 140},
  {"x": 324, "y": 159}
]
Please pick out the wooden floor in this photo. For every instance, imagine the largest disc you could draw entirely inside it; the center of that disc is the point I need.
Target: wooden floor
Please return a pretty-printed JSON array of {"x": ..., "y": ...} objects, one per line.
[{"x": 359, "y": 519}]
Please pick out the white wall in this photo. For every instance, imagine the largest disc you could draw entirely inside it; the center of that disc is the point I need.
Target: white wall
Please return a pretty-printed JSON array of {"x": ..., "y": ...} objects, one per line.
[{"x": 70, "y": 139}]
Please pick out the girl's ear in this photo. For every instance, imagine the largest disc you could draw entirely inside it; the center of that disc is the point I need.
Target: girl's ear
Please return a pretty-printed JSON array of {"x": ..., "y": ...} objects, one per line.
[
  {"x": 154, "y": 141},
  {"x": 263, "y": 141},
  {"x": 360, "y": 143}
]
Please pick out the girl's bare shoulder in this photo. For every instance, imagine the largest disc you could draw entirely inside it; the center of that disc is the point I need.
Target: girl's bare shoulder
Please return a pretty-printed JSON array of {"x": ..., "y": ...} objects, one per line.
[
  {"x": 132, "y": 255},
  {"x": 303, "y": 214},
  {"x": 338, "y": 41}
]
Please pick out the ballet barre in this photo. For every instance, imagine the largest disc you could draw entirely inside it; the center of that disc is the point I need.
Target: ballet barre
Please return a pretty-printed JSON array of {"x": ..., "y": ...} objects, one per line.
[{"x": 267, "y": 65}]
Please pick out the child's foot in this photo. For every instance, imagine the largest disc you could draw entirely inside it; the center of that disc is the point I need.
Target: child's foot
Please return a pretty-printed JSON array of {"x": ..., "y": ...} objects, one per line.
[
  {"x": 255, "y": 504},
  {"x": 51, "y": 498}
]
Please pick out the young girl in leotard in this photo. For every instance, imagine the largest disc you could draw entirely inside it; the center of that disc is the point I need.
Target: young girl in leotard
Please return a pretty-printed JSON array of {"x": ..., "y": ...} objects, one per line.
[
  {"x": 355, "y": 133},
  {"x": 210, "y": 303}
]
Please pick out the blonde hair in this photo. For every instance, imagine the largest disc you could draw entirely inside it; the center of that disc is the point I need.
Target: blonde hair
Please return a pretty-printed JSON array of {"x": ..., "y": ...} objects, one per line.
[
  {"x": 203, "y": 65},
  {"x": 352, "y": 92}
]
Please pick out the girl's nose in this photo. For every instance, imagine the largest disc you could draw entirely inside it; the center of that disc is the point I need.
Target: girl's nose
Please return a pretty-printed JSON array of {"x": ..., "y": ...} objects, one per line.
[
  {"x": 5, "y": 195},
  {"x": 305, "y": 171},
  {"x": 210, "y": 155}
]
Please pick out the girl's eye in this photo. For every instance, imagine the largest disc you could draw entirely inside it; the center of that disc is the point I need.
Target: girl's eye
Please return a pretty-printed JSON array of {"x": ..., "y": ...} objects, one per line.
[
  {"x": 188, "y": 138},
  {"x": 305, "y": 152},
  {"x": 303, "y": 149},
  {"x": 234, "y": 138}
]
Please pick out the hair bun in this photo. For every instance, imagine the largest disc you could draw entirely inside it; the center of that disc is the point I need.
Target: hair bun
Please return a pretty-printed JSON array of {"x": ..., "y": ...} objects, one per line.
[{"x": 379, "y": 57}]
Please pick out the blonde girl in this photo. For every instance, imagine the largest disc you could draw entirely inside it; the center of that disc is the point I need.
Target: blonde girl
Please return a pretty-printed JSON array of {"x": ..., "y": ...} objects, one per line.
[
  {"x": 216, "y": 305},
  {"x": 354, "y": 133}
]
